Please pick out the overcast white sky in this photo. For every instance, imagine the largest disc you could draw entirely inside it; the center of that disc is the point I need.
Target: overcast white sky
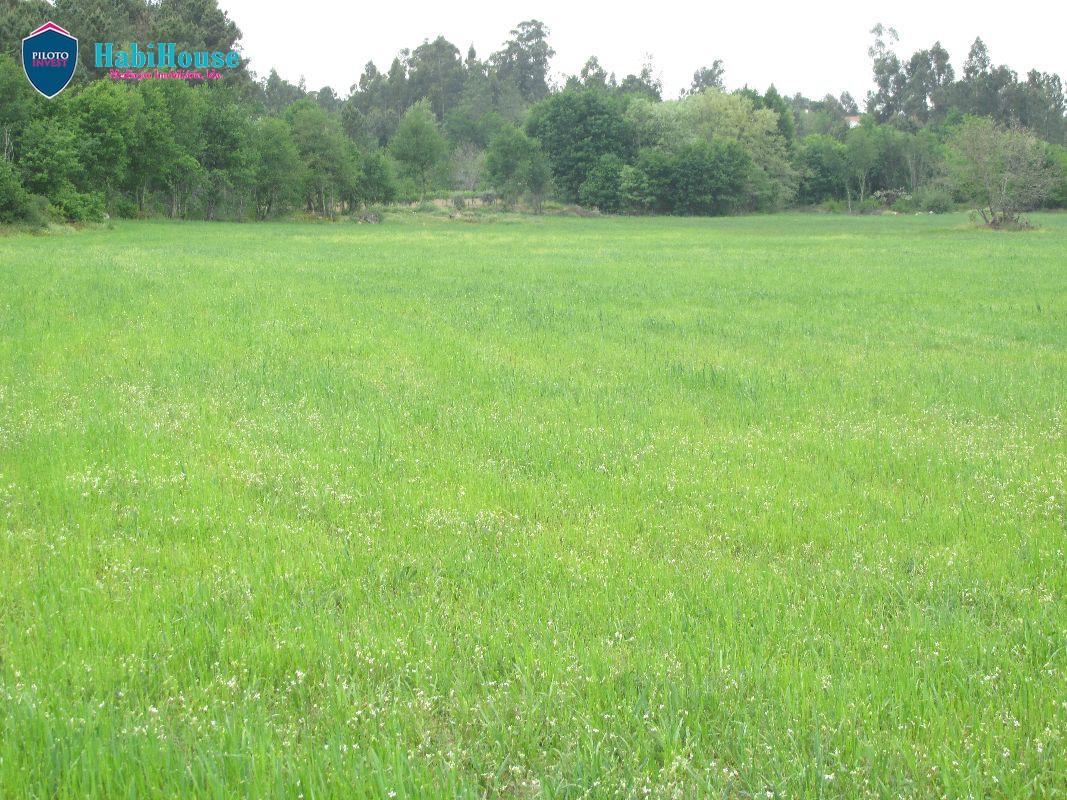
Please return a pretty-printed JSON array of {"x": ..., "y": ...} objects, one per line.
[{"x": 811, "y": 46}]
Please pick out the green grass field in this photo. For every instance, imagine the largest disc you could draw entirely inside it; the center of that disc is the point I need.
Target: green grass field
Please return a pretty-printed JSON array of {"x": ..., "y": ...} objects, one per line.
[{"x": 766, "y": 507}]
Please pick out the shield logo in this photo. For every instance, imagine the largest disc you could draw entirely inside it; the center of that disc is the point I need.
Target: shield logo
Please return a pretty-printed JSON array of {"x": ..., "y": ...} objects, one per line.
[{"x": 49, "y": 57}]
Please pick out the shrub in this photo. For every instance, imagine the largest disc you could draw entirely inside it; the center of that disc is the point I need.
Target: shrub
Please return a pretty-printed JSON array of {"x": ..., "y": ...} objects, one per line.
[
  {"x": 1001, "y": 171},
  {"x": 935, "y": 200},
  {"x": 79, "y": 206},
  {"x": 635, "y": 194},
  {"x": 377, "y": 180},
  {"x": 701, "y": 178},
  {"x": 124, "y": 208},
  {"x": 710, "y": 178},
  {"x": 576, "y": 128},
  {"x": 602, "y": 189},
  {"x": 515, "y": 166},
  {"x": 1057, "y": 156},
  {"x": 869, "y": 206},
  {"x": 16, "y": 204},
  {"x": 892, "y": 198},
  {"x": 821, "y": 160}
]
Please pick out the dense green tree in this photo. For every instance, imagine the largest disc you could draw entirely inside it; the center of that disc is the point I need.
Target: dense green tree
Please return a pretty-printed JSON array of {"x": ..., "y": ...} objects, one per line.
[
  {"x": 151, "y": 146},
  {"x": 194, "y": 24},
  {"x": 377, "y": 179},
  {"x": 710, "y": 178},
  {"x": 826, "y": 116},
  {"x": 1057, "y": 160},
  {"x": 780, "y": 106},
  {"x": 658, "y": 169},
  {"x": 16, "y": 204},
  {"x": 331, "y": 166},
  {"x": 928, "y": 77},
  {"x": 1001, "y": 171},
  {"x": 635, "y": 192},
  {"x": 225, "y": 155},
  {"x": 537, "y": 175},
  {"x": 644, "y": 84},
  {"x": 603, "y": 188},
  {"x": 823, "y": 168},
  {"x": 165, "y": 151},
  {"x": 436, "y": 74},
  {"x": 923, "y": 155},
  {"x": 576, "y": 129},
  {"x": 369, "y": 91},
  {"x": 861, "y": 160},
  {"x": 1043, "y": 106},
  {"x": 18, "y": 105},
  {"x": 699, "y": 178},
  {"x": 50, "y": 163},
  {"x": 708, "y": 78},
  {"x": 419, "y": 147},
  {"x": 484, "y": 107},
  {"x": 514, "y": 165},
  {"x": 103, "y": 114},
  {"x": 923, "y": 90},
  {"x": 328, "y": 99},
  {"x": 885, "y": 101},
  {"x": 355, "y": 124},
  {"x": 51, "y": 168},
  {"x": 396, "y": 93},
  {"x": 279, "y": 94},
  {"x": 19, "y": 17},
  {"x": 276, "y": 170},
  {"x": 524, "y": 60},
  {"x": 592, "y": 76},
  {"x": 206, "y": 151},
  {"x": 712, "y": 115}
]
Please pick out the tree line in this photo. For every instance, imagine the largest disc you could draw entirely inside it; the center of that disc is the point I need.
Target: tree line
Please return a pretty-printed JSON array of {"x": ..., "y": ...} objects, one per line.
[{"x": 440, "y": 122}]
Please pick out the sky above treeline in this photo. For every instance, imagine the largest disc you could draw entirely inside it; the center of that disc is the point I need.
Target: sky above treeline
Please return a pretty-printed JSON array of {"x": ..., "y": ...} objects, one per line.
[{"x": 808, "y": 47}]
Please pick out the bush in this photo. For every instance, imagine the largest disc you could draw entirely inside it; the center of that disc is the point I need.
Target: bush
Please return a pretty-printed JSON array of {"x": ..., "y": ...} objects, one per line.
[
  {"x": 407, "y": 191},
  {"x": 701, "y": 178},
  {"x": 80, "y": 206},
  {"x": 16, "y": 204},
  {"x": 635, "y": 194},
  {"x": 905, "y": 205},
  {"x": 710, "y": 178},
  {"x": 833, "y": 206},
  {"x": 377, "y": 181},
  {"x": 602, "y": 189},
  {"x": 1001, "y": 171},
  {"x": 124, "y": 208},
  {"x": 898, "y": 199},
  {"x": 822, "y": 164},
  {"x": 869, "y": 206},
  {"x": 934, "y": 200},
  {"x": 576, "y": 128},
  {"x": 1057, "y": 198},
  {"x": 515, "y": 166}
]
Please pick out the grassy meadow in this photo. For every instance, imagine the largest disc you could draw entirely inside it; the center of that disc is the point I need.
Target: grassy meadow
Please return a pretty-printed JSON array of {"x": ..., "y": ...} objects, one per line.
[{"x": 765, "y": 507}]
